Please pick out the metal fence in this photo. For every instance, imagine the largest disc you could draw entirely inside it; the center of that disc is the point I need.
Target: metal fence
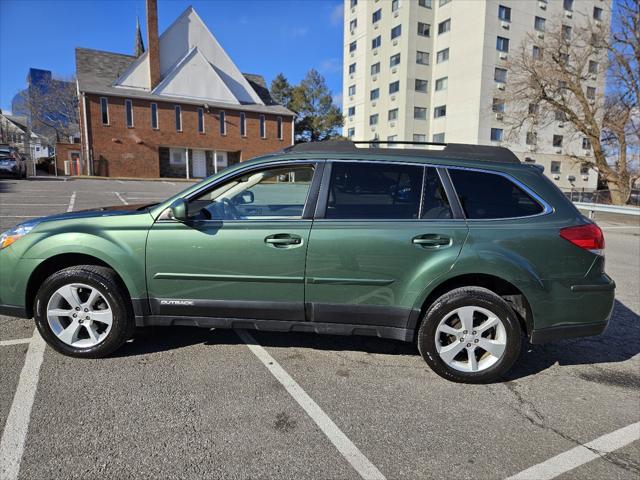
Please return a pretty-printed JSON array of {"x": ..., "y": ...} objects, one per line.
[{"x": 598, "y": 196}]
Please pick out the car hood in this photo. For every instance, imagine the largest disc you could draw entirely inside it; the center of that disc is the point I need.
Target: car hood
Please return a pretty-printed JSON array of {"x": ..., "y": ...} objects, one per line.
[{"x": 116, "y": 210}]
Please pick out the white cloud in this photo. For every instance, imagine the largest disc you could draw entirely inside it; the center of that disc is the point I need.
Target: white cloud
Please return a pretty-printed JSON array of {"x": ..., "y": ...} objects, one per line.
[
  {"x": 336, "y": 15},
  {"x": 337, "y": 99},
  {"x": 330, "y": 65}
]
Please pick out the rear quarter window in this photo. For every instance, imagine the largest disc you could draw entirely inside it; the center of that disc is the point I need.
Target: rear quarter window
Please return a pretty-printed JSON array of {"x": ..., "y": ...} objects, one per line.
[{"x": 488, "y": 195}]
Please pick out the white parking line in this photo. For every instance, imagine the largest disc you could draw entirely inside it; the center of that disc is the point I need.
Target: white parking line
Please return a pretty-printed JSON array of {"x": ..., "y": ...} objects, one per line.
[
  {"x": 72, "y": 202},
  {"x": 120, "y": 198},
  {"x": 580, "y": 455},
  {"x": 17, "y": 425},
  {"x": 14, "y": 341},
  {"x": 349, "y": 451}
]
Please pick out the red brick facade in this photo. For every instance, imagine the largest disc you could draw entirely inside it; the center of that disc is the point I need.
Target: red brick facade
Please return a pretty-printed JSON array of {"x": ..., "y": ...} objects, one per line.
[
  {"x": 72, "y": 153},
  {"x": 118, "y": 150}
]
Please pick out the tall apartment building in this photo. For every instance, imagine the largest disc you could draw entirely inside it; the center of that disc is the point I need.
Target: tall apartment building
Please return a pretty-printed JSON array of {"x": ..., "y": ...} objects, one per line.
[{"x": 429, "y": 70}]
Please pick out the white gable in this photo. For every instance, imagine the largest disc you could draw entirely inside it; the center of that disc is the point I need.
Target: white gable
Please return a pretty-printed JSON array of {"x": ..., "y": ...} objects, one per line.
[
  {"x": 186, "y": 35},
  {"x": 194, "y": 77}
]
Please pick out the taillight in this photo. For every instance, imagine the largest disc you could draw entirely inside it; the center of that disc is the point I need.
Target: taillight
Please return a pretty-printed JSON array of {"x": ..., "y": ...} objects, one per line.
[{"x": 588, "y": 236}]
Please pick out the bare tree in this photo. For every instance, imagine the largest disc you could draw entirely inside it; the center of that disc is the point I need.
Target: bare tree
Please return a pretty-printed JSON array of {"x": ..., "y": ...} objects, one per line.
[
  {"x": 558, "y": 76},
  {"x": 53, "y": 107}
]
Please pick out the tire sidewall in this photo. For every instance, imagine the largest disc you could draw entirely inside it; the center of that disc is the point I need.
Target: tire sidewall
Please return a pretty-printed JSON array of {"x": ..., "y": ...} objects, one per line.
[
  {"x": 107, "y": 288},
  {"x": 470, "y": 297}
]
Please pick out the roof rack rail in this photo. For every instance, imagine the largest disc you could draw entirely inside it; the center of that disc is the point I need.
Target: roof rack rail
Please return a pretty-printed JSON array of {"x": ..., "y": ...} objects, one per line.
[{"x": 454, "y": 151}]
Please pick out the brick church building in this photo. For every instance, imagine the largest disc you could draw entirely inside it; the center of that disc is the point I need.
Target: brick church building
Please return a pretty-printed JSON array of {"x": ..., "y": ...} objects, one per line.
[{"x": 181, "y": 109}]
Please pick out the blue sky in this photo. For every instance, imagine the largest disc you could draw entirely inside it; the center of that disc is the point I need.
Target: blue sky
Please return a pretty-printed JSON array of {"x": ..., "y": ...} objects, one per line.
[{"x": 265, "y": 37}]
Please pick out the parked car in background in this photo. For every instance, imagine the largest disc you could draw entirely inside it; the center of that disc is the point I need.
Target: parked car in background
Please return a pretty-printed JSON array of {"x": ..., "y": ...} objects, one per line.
[
  {"x": 12, "y": 164},
  {"x": 464, "y": 251}
]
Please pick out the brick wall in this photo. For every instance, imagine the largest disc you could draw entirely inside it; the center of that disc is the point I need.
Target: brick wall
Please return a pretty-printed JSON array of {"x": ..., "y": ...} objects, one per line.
[
  {"x": 63, "y": 153},
  {"x": 133, "y": 152}
]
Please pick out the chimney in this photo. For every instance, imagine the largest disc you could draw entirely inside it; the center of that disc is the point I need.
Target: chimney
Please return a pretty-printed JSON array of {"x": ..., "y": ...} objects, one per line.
[{"x": 153, "y": 43}]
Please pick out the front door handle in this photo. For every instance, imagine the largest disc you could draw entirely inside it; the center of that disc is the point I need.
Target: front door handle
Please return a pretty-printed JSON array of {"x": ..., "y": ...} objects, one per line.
[
  {"x": 432, "y": 240},
  {"x": 283, "y": 240}
]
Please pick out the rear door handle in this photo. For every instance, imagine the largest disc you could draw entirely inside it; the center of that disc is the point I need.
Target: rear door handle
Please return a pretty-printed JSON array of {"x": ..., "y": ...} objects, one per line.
[
  {"x": 432, "y": 240},
  {"x": 283, "y": 240}
]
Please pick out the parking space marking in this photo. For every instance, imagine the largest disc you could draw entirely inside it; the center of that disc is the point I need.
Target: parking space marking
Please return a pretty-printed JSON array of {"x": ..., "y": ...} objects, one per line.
[
  {"x": 72, "y": 202},
  {"x": 17, "y": 424},
  {"x": 120, "y": 198},
  {"x": 349, "y": 451},
  {"x": 582, "y": 454},
  {"x": 14, "y": 341}
]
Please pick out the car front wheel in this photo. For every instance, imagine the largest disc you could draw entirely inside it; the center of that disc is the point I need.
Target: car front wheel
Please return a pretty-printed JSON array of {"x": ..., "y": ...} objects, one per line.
[
  {"x": 83, "y": 311},
  {"x": 470, "y": 335}
]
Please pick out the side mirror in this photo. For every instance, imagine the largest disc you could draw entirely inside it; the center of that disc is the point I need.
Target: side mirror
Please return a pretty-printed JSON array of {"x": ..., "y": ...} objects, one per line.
[
  {"x": 179, "y": 209},
  {"x": 245, "y": 198}
]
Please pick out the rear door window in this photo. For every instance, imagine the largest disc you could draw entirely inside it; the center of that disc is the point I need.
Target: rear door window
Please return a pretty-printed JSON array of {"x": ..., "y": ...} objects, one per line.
[{"x": 488, "y": 195}]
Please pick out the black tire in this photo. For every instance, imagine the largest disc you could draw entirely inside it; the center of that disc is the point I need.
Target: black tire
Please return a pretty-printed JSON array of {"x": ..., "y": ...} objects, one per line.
[
  {"x": 107, "y": 283},
  {"x": 461, "y": 297}
]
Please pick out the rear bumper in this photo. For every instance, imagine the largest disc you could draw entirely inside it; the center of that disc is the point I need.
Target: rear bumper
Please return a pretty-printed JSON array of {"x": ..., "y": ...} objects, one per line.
[{"x": 572, "y": 331}]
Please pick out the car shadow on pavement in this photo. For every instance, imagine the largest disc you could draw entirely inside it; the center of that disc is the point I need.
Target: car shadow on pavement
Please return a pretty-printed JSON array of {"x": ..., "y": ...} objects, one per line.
[{"x": 619, "y": 343}]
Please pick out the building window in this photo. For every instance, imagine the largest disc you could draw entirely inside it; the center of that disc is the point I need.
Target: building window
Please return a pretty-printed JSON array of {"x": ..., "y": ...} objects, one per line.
[
  {"x": 419, "y": 113},
  {"x": 444, "y": 27},
  {"x": 502, "y": 44},
  {"x": 532, "y": 138},
  {"x": 395, "y": 4},
  {"x": 419, "y": 137},
  {"x": 555, "y": 166},
  {"x": 392, "y": 115},
  {"x": 200, "y": 120},
  {"x": 586, "y": 144},
  {"x": 178, "y": 115},
  {"x": 424, "y": 29},
  {"x": 376, "y": 42},
  {"x": 422, "y": 58},
  {"x": 441, "y": 83},
  {"x": 498, "y": 105},
  {"x": 352, "y": 90},
  {"x": 353, "y": 25},
  {"x": 352, "y": 46},
  {"x": 557, "y": 141},
  {"x": 104, "y": 110},
  {"x": 591, "y": 93},
  {"x": 440, "y": 111},
  {"x": 128, "y": 107},
  {"x": 394, "y": 87},
  {"x": 425, "y": 3},
  {"x": 539, "y": 24},
  {"x": 243, "y": 124},
  {"x": 597, "y": 13},
  {"x": 584, "y": 170},
  {"x": 566, "y": 32},
  {"x": 375, "y": 68},
  {"x": 536, "y": 52},
  {"x": 351, "y": 132},
  {"x": 352, "y": 68},
  {"x": 443, "y": 2},
  {"x": 154, "y": 116},
  {"x": 374, "y": 94},
  {"x": 500, "y": 75},
  {"x": 504, "y": 13},
  {"x": 373, "y": 119},
  {"x": 421, "y": 85},
  {"x": 351, "y": 111},
  {"x": 593, "y": 67},
  {"x": 396, "y": 31},
  {"x": 391, "y": 139},
  {"x": 568, "y": 5},
  {"x": 534, "y": 108},
  {"x": 263, "y": 127},
  {"x": 223, "y": 123},
  {"x": 394, "y": 60},
  {"x": 377, "y": 16},
  {"x": 442, "y": 56},
  {"x": 279, "y": 127},
  {"x": 438, "y": 137},
  {"x": 496, "y": 134},
  {"x": 354, "y": 3},
  {"x": 560, "y": 116}
]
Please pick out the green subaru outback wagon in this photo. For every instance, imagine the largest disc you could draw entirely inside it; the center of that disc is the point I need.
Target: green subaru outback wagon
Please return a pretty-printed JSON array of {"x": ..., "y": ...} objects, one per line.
[{"x": 463, "y": 250}]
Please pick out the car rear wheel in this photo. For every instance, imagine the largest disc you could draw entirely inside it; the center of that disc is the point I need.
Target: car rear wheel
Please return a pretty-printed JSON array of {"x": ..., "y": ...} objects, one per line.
[
  {"x": 470, "y": 335},
  {"x": 83, "y": 311}
]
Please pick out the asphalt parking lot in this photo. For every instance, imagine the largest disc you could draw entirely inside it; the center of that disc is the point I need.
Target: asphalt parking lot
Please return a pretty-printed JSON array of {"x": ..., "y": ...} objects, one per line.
[{"x": 198, "y": 403}]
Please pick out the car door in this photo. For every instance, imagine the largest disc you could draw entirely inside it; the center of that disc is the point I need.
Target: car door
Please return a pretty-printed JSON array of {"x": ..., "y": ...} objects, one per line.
[
  {"x": 241, "y": 253},
  {"x": 382, "y": 233}
]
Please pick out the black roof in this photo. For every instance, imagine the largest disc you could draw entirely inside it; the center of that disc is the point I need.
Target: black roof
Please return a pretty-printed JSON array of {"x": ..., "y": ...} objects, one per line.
[{"x": 459, "y": 151}]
